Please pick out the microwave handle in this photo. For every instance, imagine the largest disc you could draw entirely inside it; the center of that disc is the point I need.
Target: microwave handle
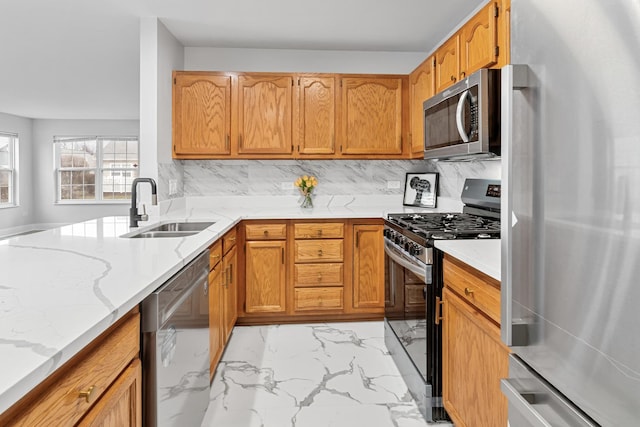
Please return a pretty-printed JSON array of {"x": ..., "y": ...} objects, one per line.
[{"x": 459, "y": 118}]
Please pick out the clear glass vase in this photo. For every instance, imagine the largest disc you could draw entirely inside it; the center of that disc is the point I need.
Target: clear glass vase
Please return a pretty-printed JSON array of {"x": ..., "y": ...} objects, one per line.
[{"x": 307, "y": 201}]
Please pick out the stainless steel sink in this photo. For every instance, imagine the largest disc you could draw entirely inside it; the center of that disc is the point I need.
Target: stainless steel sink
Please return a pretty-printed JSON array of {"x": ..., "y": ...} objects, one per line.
[
  {"x": 169, "y": 229},
  {"x": 182, "y": 226},
  {"x": 157, "y": 234}
]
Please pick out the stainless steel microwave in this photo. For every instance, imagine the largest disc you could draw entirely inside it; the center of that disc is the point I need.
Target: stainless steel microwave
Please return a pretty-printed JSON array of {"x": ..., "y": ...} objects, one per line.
[{"x": 464, "y": 120}]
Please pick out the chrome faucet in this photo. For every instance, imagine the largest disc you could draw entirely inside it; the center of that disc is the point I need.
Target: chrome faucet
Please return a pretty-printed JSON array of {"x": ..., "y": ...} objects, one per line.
[{"x": 134, "y": 217}]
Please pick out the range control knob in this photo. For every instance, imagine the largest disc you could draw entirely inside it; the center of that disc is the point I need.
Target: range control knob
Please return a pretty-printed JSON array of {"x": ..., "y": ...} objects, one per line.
[{"x": 417, "y": 250}]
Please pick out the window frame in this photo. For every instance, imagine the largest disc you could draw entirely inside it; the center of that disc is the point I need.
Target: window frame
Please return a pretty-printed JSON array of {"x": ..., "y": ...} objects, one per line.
[
  {"x": 99, "y": 169},
  {"x": 12, "y": 168}
]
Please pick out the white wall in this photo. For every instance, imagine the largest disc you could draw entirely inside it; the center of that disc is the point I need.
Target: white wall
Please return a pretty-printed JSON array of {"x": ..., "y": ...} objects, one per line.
[
  {"x": 44, "y": 175},
  {"x": 161, "y": 53},
  {"x": 22, "y": 214},
  {"x": 289, "y": 60}
]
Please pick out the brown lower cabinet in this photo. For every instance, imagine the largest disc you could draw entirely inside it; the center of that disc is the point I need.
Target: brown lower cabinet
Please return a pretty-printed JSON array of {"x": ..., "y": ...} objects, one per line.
[
  {"x": 474, "y": 357},
  {"x": 310, "y": 270},
  {"x": 100, "y": 386},
  {"x": 222, "y": 295}
]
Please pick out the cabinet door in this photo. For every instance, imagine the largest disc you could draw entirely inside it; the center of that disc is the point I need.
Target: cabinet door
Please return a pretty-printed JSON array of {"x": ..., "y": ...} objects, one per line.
[
  {"x": 316, "y": 116},
  {"x": 504, "y": 34},
  {"x": 479, "y": 41},
  {"x": 371, "y": 111},
  {"x": 368, "y": 267},
  {"x": 421, "y": 88},
  {"x": 216, "y": 343},
  {"x": 447, "y": 63},
  {"x": 265, "y": 278},
  {"x": 201, "y": 114},
  {"x": 121, "y": 405},
  {"x": 265, "y": 114},
  {"x": 230, "y": 303},
  {"x": 474, "y": 361}
]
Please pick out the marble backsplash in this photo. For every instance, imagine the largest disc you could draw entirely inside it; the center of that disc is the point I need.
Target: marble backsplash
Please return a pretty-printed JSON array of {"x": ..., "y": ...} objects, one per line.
[{"x": 341, "y": 177}]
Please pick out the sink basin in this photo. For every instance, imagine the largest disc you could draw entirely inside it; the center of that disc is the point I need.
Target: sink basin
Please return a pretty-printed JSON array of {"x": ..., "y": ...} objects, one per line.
[
  {"x": 182, "y": 226},
  {"x": 157, "y": 234},
  {"x": 170, "y": 229}
]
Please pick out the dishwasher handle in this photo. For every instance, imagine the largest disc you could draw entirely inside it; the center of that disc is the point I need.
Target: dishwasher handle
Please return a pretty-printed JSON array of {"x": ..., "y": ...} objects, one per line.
[{"x": 168, "y": 311}]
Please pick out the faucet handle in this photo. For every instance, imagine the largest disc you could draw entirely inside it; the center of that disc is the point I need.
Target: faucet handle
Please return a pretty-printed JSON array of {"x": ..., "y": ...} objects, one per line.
[{"x": 144, "y": 216}]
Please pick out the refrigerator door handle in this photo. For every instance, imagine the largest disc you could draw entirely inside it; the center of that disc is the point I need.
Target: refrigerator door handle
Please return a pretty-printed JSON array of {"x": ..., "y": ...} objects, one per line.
[
  {"x": 513, "y": 78},
  {"x": 519, "y": 402},
  {"x": 534, "y": 403}
]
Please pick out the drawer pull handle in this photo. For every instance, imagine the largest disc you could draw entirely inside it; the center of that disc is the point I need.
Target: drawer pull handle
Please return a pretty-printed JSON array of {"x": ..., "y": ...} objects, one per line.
[
  {"x": 468, "y": 291},
  {"x": 232, "y": 239},
  {"x": 266, "y": 232},
  {"x": 319, "y": 252},
  {"x": 215, "y": 256},
  {"x": 87, "y": 393},
  {"x": 319, "y": 277}
]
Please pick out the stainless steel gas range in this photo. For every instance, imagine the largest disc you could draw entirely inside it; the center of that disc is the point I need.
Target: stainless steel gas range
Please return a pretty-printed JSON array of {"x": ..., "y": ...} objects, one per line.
[{"x": 413, "y": 286}]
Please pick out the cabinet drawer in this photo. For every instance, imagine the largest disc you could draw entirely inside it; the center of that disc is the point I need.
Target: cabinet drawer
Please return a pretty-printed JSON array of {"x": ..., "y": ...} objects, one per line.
[
  {"x": 318, "y": 299},
  {"x": 319, "y": 231},
  {"x": 229, "y": 240},
  {"x": 473, "y": 286},
  {"x": 306, "y": 275},
  {"x": 215, "y": 254},
  {"x": 265, "y": 231},
  {"x": 58, "y": 401},
  {"x": 319, "y": 250}
]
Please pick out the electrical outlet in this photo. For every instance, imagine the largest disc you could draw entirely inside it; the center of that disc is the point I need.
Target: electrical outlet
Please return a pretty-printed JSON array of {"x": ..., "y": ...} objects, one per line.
[
  {"x": 173, "y": 186},
  {"x": 286, "y": 185},
  {"x": 393, "y": 185}
]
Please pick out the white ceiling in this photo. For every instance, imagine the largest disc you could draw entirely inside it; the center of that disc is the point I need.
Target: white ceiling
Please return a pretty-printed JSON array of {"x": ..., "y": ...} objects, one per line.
[{"x": 79, "y": 59}]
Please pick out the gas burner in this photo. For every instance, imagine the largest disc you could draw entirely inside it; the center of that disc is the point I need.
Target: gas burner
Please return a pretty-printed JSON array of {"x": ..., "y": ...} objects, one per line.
[{"x": 443, "y": 236}]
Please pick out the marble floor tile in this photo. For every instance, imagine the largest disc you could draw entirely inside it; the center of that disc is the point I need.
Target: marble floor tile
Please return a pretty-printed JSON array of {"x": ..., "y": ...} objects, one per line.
[{"x": 308, "y": 375}]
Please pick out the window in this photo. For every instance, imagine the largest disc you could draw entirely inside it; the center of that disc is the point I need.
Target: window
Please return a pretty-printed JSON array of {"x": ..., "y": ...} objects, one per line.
[
  {"x": 95, "y": 169},
  {"x": 8, "y": 162}
]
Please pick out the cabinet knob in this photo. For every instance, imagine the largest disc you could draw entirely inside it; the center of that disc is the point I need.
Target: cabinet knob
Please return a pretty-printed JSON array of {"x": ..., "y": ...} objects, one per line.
[
  {"x": 266, "y": 232},
  {"x": 320, "y": 232},
  {"x": 319, "y": 277},
  {"x": 463, "y": 74},
  {"x": 319, "y": 252},
  {"x": 468, "y": 291},
  {"x": 87, "y": 393},
  {"x": 453, "y": 78}
]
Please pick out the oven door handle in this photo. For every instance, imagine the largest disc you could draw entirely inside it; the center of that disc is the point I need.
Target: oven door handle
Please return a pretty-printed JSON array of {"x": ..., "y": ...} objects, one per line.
[{"x": 397, "y": 257}]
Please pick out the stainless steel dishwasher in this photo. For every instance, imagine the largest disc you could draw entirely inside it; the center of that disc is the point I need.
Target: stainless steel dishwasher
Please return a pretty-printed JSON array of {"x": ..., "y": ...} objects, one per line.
[{"x": 175, "y": 348}]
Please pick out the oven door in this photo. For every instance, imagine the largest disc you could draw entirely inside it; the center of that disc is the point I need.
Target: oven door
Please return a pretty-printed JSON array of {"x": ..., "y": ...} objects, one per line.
[{"x": 407, "y": 289}]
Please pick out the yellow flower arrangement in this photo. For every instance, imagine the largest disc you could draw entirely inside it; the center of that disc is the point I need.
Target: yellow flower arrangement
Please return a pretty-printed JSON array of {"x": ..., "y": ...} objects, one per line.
[{"x": 306, "y": 184}]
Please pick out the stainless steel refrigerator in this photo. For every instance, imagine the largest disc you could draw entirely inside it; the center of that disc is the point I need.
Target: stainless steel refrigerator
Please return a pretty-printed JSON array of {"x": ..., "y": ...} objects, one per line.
[{"x": 571, "y": 215}]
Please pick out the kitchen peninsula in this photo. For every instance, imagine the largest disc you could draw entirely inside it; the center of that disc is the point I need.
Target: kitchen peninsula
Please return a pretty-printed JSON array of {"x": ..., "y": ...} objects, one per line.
[{"x": 86, "y": 276}]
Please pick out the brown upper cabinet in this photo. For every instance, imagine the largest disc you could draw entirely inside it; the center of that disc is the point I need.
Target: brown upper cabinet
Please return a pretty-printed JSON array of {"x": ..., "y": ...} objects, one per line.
[
  {"x": 265, "y": 113},
  {"x": 371, "y": 115},
  {"x": 201, "y": 114},
  {"x": 421, "y": 87},
  {"x": 447, "y": 69},
  {"x": 479, "y": 41},
  {"x": 315, "y": 122}
]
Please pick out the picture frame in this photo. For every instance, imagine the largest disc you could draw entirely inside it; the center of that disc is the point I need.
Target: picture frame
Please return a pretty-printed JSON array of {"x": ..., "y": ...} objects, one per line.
[{"x": 421, "y": 189}]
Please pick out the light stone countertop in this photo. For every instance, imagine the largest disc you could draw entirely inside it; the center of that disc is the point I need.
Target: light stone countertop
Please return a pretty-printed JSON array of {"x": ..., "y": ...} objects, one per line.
[
  {"x": 61, "y": 288},
  {"x": 483, "y": 255}
]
